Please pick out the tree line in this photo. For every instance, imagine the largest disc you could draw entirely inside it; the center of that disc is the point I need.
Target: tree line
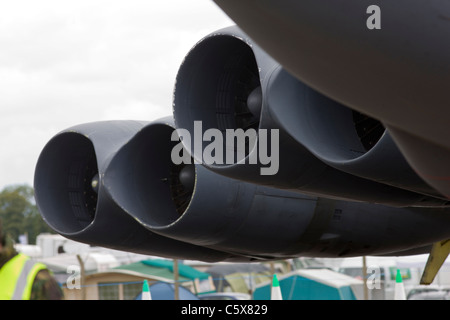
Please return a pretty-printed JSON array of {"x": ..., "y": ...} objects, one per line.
[{"x": 19, "y": 214}]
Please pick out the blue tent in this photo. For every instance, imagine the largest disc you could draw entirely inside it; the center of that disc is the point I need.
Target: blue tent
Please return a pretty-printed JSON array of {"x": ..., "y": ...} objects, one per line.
[
  {"x": 166, "y": 291},
  {"x": 313, "y": 284}
]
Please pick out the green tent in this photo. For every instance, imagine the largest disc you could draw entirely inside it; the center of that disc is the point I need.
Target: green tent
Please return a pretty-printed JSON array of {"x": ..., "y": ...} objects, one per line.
[
  {"x": 163, "y": 270},
  {"x": 313, "y": 284},
  {"x": 183, "y": 270}
]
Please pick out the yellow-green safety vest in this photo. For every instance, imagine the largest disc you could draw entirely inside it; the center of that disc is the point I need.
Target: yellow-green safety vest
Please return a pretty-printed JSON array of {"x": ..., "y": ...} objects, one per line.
[{"x": 17, "y": 277}]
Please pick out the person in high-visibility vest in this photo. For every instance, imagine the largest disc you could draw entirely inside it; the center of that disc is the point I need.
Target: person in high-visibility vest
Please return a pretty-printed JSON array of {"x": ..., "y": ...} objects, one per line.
[{"x": 21, "y": 278}]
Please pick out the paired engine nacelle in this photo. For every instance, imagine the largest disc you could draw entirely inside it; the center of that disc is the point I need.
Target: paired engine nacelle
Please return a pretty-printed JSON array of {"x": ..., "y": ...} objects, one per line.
[
  {"x": 227, "y": 82},
  {"x": 73, "y": 200},
  {"x": 398, "y": 73}
]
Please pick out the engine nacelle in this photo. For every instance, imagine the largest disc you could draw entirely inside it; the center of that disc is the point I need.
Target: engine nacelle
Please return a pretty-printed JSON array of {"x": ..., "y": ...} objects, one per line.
[
  {"x": 192, "y": 204},
  {"x": 73, "y": 201},
  {"x": 228, "y": 83},
  {"x": 340, "y": 137},
  {"x": 398, "y": 73}
]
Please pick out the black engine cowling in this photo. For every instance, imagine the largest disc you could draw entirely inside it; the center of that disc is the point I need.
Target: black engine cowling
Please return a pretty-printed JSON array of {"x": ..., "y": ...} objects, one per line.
[
  {"x": 228, "y": 83},
  {"x": 72, "y": 198}
]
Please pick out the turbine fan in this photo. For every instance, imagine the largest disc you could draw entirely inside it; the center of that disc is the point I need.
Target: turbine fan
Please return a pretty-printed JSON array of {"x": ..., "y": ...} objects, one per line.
[
  {"x": 239, "y": 95},
  {"x": 82, "y": 172},
  {"x": 239, "y": 78},
  {"x": 181, "y": 181}
]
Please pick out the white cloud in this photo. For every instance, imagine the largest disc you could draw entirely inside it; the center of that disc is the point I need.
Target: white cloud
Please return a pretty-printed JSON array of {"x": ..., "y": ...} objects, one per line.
[{"x": 68, "y": 62}]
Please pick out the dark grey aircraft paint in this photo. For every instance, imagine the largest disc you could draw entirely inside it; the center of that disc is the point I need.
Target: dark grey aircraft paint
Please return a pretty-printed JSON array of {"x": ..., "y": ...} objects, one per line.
[{"x": 363, "y": 154}]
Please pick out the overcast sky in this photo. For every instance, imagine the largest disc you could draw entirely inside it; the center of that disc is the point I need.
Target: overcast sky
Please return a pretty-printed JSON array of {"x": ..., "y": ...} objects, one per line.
[{"x": 66, "y": 62}]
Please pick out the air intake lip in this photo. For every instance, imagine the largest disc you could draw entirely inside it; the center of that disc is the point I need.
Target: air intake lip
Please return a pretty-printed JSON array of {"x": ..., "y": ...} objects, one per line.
[
  {"x": 219, "y": 82},
  {"x": 69, "y": 174},
  {"x": 142, "y": 178},
  {"x": 64, "y": 172}
]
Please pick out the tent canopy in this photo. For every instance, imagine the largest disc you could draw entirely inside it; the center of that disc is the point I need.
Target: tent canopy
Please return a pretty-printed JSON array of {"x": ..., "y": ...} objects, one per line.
[
  {"x": 163, "y": 270},
  {"x": 240, "y": 277},
  {"x": 313, "y": 284},
  {"x": 183, "y": 270}
]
